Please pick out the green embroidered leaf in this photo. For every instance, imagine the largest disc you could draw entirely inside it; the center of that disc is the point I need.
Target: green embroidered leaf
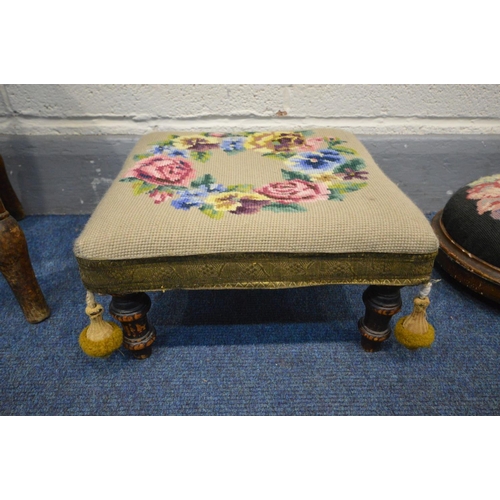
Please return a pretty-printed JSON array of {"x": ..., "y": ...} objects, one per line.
[
  {"x": 169, "y": 141},
  {"x": 205, "y": 180},
  {"x": 279, "y": 156},
  {"x": 355, "y": 186},
  {"x": 129, "y": 179},
  {"x": 335, "y": 195},
  {"x": 344, "y": 149},
  {"x": 143, "y": 187},
  {"x": 211, "y": 212},
  {"x": 338, "y": 190},
  {"x": 202, "y": 156},
  {"x": 332, "y": 142},
  {"x": 290, "y": 175},
  {"x": 233, "y": 151},
  {"x": 280, "y": 207},
  {"x": 141, "y": 156},
  {"x": 241, "y": 188},
  {"x": 305, "y": 133},
  {"x": 354, "y": 164},
  {"x": 171, "y": 189}
]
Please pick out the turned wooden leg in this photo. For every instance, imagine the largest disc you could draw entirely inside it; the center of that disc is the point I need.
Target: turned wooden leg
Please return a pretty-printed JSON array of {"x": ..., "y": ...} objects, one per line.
[
  {"x": 8, "y": 195},
  {"x": 382, "y": 302},
  {"x": 131, "y": 311},
  {"x": 15, "y": 265}
]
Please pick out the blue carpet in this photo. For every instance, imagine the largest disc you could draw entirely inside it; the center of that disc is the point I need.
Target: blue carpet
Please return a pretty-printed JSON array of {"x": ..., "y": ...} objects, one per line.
[{"x": 285, "y": 352}]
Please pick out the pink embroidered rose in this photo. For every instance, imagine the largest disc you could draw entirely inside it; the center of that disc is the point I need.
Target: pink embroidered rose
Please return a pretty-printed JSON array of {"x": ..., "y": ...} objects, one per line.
[
  {"x": 163, "y": 171},
  {"x": 295, "y": 191},
  {"x": 485, "y": 190},
  {"x": 489, "y": 205},
  {"x": 312, "y": 144},
  {"x": 160, "y": 196},
  {"x": 487, "y": 195}
]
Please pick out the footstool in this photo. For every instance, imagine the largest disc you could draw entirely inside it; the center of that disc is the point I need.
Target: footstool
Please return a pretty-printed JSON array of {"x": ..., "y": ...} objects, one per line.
[
  {"x": 253, "y": 210},
  {"x": 468, "y": 229}
]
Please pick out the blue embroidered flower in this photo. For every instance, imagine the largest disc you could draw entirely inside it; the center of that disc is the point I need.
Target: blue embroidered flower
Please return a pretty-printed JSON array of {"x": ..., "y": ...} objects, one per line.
[
  {"x": 233, "y": 144},
  {"x": 195, "y": 198},
  {"x": 191, "y": 198},
  {"x": 317, "y": 161},
  {"x": 169, "y": 151}
]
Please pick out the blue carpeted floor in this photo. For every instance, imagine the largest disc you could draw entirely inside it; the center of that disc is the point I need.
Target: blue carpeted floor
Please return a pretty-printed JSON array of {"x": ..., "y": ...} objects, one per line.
[{"x": 288, "y": 352}]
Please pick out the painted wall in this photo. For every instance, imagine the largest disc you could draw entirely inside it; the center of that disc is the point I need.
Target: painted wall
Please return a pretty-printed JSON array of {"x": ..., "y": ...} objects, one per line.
[
  {"x": 137, "y": 109},
  {"x": 64, "y": 144}
]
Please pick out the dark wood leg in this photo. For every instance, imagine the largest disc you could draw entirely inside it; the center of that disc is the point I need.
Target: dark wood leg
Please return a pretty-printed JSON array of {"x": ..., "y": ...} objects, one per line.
[
  {"x": 382, "y": 302},
  {"x": 15, "y": 265},
  {"x": 131, "y": 311},
  {"x": 8, "y": 195}
]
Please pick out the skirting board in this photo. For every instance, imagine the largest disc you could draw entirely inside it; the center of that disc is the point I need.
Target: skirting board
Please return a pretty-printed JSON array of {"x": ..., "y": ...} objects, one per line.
[{"x": 70, "y": 174}]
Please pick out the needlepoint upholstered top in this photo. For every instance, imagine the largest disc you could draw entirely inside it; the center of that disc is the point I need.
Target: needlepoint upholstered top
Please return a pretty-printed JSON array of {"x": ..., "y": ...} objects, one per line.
[
  {"x": 252, "y": 209},
  {"x": 468, "y": 229}
]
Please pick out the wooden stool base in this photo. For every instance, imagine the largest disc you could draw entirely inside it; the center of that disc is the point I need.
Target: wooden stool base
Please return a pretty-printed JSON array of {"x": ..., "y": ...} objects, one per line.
[
  {"x": 382, "y": 302},
  {"x": 131, "y": 311},
  {"x": 476, "y": 274}
]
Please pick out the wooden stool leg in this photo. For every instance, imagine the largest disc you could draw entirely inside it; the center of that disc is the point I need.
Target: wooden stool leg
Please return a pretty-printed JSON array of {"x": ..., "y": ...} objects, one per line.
[
  {"x": 8, "y": 195},
  {"x": 131, "y": 311},
  {"x": 382, "y": 302},
  {"x": 15, "y": 265}
]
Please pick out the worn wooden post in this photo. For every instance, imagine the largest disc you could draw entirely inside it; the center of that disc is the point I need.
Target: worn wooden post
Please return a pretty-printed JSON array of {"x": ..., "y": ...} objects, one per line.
[{"x": 15, "y": 265}]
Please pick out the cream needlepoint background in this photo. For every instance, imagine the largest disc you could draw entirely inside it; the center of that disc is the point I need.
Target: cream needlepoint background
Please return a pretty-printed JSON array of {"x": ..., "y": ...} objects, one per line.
[{"x": 376, "y": 218}]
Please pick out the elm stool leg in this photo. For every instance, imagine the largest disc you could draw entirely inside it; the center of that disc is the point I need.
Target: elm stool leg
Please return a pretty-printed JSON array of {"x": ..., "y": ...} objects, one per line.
[
  {"x": 131, "y": 311},
  {"x": 15, "y": 265},
  {"x": 382, "y": 303}
]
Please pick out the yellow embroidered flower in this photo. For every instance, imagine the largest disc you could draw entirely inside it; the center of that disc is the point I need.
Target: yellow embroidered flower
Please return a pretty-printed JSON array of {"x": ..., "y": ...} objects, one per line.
[
  {"x": 326, "y": 178},
  {"x": 196, "y": 142},
  {"x": 483, "y": 180},
  {"x": 232, "y": 200},
  {"x": 275, "y": 142},
  {"x": 254, "y": 196}
]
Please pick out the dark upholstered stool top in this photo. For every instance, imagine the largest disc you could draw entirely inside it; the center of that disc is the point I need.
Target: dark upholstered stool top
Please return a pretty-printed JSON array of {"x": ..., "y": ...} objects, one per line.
[{"x": 472, "y": 218}]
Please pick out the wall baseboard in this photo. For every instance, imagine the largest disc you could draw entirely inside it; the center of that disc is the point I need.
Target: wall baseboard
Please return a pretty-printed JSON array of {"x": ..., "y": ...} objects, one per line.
[{"x": 70, "y": 174}]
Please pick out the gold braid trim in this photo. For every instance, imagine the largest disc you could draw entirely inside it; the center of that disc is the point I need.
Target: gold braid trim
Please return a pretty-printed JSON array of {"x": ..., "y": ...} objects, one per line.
[{"x": 259, "y": 270}]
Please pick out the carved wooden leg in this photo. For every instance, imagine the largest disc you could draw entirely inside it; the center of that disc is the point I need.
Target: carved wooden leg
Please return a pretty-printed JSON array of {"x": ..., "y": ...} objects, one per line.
[
  {"x": 131, "y": 311},
  {"x": 382, "y": 302},
  {"x": 8, "y": 195},
  {"x": 15, "y": 265}
]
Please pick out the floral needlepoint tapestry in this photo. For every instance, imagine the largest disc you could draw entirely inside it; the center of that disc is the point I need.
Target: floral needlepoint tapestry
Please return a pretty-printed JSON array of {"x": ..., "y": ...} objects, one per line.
[{"x": 312, "y": 169}]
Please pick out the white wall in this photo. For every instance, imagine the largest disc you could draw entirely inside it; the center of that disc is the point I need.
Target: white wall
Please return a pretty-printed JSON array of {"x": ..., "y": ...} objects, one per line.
[{"x": 136, "y": 109}]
